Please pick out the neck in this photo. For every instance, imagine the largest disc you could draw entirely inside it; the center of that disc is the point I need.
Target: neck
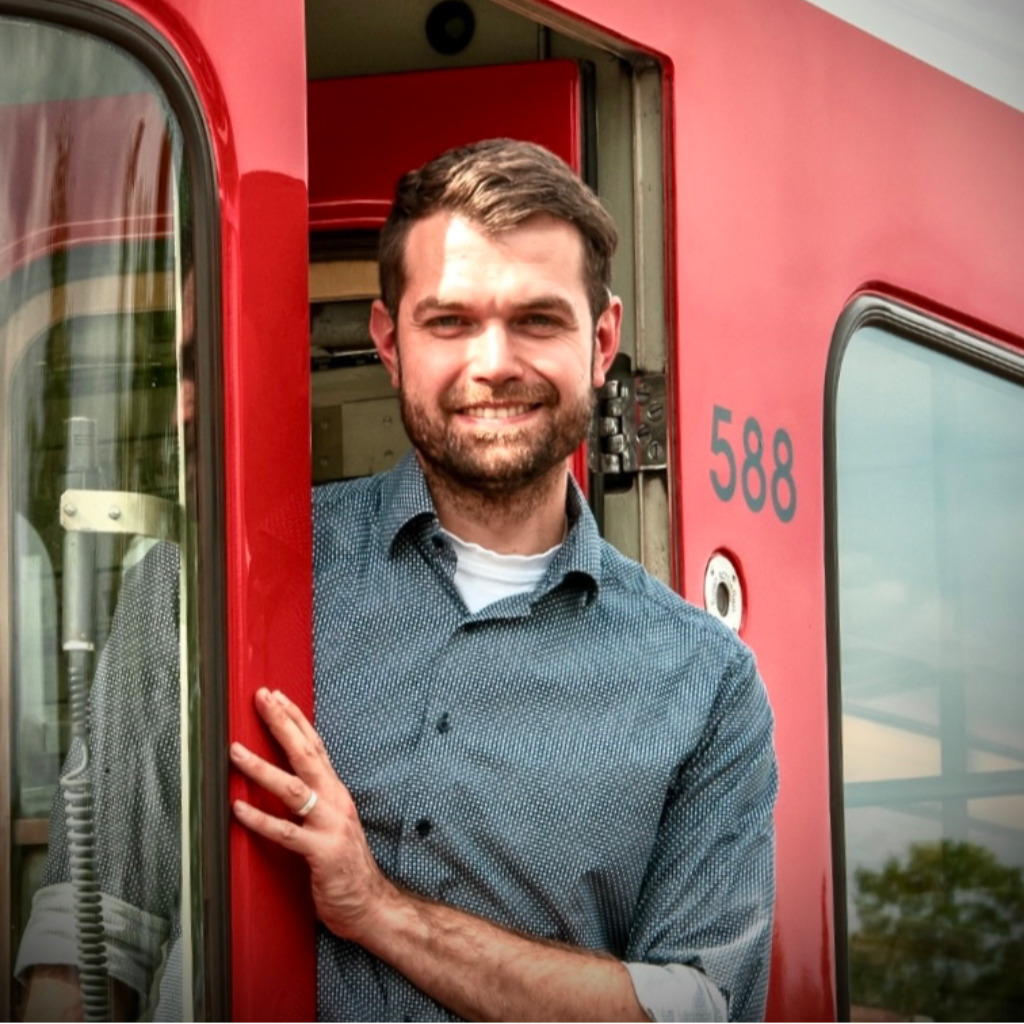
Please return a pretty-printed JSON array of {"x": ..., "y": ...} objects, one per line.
[{"x": 526, "y": 521}]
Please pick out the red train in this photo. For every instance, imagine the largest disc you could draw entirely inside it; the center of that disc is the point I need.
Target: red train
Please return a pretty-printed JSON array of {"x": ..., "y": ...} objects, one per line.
[{"x": 817, "y": 429}]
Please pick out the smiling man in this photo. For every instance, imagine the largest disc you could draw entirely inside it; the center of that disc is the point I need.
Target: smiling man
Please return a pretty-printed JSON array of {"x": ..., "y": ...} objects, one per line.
[{"x": 540, "y": 785}]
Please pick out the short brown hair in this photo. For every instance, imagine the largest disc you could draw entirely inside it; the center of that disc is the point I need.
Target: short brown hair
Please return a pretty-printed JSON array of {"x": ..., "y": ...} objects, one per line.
[{"x": 498, "y": 184}]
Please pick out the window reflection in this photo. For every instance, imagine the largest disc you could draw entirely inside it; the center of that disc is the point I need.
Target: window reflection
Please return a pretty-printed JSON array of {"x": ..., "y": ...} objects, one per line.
[
  {"x": 98, "y": 576},
  {"x": 930, "y": 488}
]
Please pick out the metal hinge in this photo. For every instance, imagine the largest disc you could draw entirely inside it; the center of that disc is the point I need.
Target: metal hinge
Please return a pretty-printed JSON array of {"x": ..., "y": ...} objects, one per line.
[
  {"x": 89, "y": 511},
  {"x": 629, "y": 433}
]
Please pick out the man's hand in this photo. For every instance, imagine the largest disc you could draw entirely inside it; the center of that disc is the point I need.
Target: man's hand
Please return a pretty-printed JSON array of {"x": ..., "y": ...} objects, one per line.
[
  {"x": 479, "y": 970},
  {"x": 345, "y": 878}
]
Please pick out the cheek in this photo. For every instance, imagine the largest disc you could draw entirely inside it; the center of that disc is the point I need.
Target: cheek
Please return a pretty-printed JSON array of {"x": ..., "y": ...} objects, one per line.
[
  {"x": 570, "y": 369},
  {"x": 427, "y": 374}
]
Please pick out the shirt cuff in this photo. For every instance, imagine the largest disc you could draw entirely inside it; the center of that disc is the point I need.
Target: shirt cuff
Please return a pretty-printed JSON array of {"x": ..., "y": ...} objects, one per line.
[
  {"x": 134, "y": 938},
  {"x": 675, "y": 992}
]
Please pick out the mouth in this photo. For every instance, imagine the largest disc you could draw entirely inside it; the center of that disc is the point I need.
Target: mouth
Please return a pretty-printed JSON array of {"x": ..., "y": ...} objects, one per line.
[{"x": 497, "y": 412}]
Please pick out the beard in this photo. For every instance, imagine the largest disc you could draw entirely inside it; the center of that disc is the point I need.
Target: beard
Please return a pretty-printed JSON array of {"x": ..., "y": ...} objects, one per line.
[{"x": 504, "y": 460}]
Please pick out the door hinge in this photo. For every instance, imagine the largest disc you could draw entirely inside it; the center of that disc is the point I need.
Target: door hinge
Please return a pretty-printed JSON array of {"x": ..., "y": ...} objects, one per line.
[{"x": 629, "y": 433}]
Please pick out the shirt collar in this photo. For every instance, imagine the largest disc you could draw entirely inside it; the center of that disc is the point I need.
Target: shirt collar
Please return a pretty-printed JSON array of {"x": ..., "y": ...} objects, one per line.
[{"x": 406, "y": 499}]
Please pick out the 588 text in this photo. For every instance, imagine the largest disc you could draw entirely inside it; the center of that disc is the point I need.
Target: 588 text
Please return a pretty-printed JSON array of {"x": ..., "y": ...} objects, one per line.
[{"x": 751, "y": 474}]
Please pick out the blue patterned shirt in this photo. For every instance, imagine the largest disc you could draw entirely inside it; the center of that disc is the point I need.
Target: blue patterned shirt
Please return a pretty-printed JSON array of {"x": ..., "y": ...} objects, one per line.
[{"x": 591, "y": 762}]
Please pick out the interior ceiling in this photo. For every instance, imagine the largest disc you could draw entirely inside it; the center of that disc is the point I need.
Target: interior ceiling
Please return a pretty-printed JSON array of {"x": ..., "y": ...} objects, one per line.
[{"x": 337, "y": 34}]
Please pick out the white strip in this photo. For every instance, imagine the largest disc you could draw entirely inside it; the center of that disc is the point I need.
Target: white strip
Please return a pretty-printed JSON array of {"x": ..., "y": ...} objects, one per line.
[
  {"x": 677, "y": 992},
  {"x": 981, "y": 42}
]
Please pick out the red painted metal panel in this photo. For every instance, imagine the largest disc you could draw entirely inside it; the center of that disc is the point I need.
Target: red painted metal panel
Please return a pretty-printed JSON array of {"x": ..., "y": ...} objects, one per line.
[
  {"x": 810, "y": 161},
  {"x": 247, "y": 64},
  {"x": 364, "y": 133}
]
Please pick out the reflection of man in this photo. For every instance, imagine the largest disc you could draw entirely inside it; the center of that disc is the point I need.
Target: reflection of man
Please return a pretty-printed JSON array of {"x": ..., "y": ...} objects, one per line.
[
  {"x": 558, "y": 776},
  {"x": 134, "y": 748},
  {"x": 133, "y": 765}
]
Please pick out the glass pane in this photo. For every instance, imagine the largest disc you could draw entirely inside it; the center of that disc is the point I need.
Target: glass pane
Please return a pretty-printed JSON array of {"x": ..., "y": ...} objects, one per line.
[
  {"x": 930, "y": 470},
  {"x": 98, "y": 671}
]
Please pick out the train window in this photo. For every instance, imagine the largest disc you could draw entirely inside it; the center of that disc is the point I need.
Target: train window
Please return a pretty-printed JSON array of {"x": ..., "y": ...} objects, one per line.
[
  {"x": 929, "y": 555},
  {"x": 99, "y": 677}
]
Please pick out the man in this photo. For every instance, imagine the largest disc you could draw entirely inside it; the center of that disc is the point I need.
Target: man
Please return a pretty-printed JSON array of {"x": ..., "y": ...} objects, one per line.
[
  {"x": 132, "y": 761},
  {"x": 545, "y": 783}
]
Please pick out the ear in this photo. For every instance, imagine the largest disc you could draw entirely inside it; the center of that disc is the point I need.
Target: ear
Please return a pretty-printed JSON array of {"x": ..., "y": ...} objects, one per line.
[
  {"x": 385, "y": 337},
  {"x": 606, "y": 339}
]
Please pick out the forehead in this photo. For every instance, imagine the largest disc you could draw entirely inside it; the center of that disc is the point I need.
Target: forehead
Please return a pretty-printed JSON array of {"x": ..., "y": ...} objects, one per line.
[{"x": 448, "y": 251}]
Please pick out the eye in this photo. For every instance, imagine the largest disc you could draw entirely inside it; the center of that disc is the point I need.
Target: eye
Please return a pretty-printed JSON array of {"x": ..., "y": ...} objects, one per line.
[
  {"x": 540, "y": 324},
  {"x": 446, "y": 325}
]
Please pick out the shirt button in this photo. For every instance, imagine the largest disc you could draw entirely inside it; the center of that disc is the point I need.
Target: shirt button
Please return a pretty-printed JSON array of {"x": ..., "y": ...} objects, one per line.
[
  {"x": 423, "y": 827},
  {"x": 443, "y": 724}
]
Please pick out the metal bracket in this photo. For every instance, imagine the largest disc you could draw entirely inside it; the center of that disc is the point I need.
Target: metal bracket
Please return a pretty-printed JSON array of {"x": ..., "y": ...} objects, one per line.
[
  {"x": 629, "y": 433},
  {"x": 89, "y": 511}
]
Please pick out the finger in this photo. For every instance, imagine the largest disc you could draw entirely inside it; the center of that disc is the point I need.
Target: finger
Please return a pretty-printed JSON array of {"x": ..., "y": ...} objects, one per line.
[
  {"x": 278, "y": 830},
  {"x": 293, "y": 792},
  {"x": 298, "y": 739},
  {"x": 305, "y": 727},
  {"x": 295, "y": 713}
]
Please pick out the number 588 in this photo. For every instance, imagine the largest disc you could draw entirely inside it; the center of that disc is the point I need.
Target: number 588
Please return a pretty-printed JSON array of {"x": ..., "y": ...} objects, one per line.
[{"x": 750, "y": 473}]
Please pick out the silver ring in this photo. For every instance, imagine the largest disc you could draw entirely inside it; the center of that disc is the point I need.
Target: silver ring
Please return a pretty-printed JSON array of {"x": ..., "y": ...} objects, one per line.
[{"x": 308, "y": 805}]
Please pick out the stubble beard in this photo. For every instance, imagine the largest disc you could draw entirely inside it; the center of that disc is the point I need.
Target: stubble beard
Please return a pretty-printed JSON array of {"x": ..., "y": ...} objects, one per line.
[{"x": 503, "y": 462}]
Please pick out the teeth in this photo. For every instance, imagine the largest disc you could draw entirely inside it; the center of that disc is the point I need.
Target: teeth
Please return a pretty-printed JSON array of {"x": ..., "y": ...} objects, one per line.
[{"x": 496, "y": 412}]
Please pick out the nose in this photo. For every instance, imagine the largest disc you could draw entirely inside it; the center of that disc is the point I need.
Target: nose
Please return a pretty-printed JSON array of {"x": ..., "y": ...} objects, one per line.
[{"x": 493, "y": 356}]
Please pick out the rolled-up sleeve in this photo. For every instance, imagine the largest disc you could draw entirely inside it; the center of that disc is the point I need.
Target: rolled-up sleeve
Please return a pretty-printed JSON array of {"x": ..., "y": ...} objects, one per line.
[{"x": 675, "y": 992}]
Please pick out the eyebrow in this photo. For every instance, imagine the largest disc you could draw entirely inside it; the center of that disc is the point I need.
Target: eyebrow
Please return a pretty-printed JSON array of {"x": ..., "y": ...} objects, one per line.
[
  {"x": 432, "y": 304},
  {"x": 542, "y": 303}
]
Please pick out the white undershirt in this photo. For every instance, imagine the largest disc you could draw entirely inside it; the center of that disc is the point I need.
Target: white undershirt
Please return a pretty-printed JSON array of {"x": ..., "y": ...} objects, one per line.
[{"x": 483, "y": 577}]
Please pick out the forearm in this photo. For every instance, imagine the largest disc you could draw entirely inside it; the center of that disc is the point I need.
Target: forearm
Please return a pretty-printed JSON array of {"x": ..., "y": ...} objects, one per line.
[
  {"x": 53, "y": 994},
  {"x": 478, "y": 970},
  {"x": 481, "y": 971}
]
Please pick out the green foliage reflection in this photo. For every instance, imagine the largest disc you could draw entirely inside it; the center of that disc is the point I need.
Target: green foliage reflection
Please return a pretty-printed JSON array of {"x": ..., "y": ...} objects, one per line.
[{"x": 940, "y": 937}]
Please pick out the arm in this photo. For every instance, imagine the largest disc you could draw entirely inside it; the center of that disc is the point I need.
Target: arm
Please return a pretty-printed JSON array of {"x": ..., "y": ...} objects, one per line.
[
  {"x": 482, "y": 971},
  {"x": 53, "y": 994},
  {"x": 708, "y": 895},
  {"x": 477, "y": 969},
  {"x": 134, "y": 711}
]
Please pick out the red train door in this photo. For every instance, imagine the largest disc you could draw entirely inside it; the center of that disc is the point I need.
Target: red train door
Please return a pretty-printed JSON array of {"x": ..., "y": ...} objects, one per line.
[{"x": 153, "y": 453}]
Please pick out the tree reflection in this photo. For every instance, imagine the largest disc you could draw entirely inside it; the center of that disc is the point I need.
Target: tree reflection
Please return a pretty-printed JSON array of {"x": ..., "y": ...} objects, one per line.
[{"x": 940, "y": 937}]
